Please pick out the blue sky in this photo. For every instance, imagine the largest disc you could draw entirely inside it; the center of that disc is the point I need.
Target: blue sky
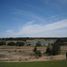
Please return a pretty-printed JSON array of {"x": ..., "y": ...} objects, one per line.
[{"x": 33, "y": 18}]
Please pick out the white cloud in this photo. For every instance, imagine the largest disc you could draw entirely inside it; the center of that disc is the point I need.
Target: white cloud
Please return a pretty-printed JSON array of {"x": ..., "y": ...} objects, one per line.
[
  {"x": 41, "y": 30},
  {"x": 33, "y": 29}
]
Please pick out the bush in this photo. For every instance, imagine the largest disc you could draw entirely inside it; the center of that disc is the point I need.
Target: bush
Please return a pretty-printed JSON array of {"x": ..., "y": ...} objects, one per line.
[
  {"x": 48, "y": 51},
  {"x": 28, "y": 44},
  {"x": 20, "y": 43},
  {"x": 11, "y": 44},
  {"x": 38, "y": 43},
  {"x": 54, "y": 50},
  {"x": 35, "y": 49},
  {"x": 37, "y": 52},
  {"x": 2, "y": 43}
]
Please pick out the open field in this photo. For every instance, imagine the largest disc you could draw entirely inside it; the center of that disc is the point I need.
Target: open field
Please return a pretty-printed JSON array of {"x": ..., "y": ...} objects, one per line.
[
  {"x": 25, "y": 54},
  {"x": 34, "y": 64}
]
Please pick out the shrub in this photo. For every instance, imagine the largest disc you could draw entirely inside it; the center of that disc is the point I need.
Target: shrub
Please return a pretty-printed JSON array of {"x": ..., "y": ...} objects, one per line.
[
  {"x": 37, "y": 52},
  {"x": 2, "y": 43},
  {"x": 48, "y": 51},
  {"x": 28, "y": 44},
  {"x": 35, "y": 49},
  {"x": 38, "y": 43},
  {"x": 20, "y": 44},
  {"x": 11, "y": 44},
  {"x": 54, "y": 50}
]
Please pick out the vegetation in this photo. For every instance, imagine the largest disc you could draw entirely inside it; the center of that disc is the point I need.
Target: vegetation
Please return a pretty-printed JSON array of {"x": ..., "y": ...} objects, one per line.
[
  {"x": 53, "y": 49},
  {"x": 49, "y": 51},
  {"x": 34, "y": 64},
  {"x": 35, "y": 49},
  {"x": 2, "y": 43},
  {"x": 37, "y": 52},
  {"x": 38, "y": 43},
  {"x": 11, "y": 44},
  {"x": 20, "y": 44},
  {"x": 28, "y": 44}
]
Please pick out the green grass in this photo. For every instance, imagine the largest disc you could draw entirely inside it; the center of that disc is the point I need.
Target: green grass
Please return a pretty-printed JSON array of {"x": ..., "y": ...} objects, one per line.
[{"x": 34, "y": 64}]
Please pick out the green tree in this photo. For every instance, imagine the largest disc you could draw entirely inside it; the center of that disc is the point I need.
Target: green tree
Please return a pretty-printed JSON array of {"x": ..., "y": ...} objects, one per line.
[
  {"x": 20, "y": 44},
  {"x": 37, "y": 52},
  {"x": 55, "y": 49},
  {"x": 49, "y": 50},
  {"x": 38, "y": 43},
  {"x": 2, "y": 43},
  {"x": 11, "y": 44},
  {"x": 35, "y": 49},
  {"x": 28, "y": 44}
]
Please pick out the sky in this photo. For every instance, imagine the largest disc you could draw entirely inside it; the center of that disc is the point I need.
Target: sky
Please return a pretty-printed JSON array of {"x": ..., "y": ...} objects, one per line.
[{"x": 33, "y": 18}]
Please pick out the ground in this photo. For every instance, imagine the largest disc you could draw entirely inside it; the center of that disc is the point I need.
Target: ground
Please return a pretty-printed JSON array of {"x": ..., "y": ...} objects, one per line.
[
  {"x": 34, "y": 64},
  {"x": 25, "y": 54}
]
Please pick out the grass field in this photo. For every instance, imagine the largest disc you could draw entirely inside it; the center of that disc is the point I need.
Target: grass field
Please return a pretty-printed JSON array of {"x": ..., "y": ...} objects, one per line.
[{"x": 34, "y": 64}]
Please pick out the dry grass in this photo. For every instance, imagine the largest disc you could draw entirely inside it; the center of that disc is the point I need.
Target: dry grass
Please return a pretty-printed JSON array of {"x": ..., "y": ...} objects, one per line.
[{"x": 25, "y": 53}]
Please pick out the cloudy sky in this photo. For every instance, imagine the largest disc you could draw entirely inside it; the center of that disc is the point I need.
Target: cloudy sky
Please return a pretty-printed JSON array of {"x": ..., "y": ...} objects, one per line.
[{"x": 33, "y": 18}]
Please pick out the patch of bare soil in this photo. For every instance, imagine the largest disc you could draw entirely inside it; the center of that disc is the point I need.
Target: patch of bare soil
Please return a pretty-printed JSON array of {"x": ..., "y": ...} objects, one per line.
[{"x": 25, "y": 54}]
